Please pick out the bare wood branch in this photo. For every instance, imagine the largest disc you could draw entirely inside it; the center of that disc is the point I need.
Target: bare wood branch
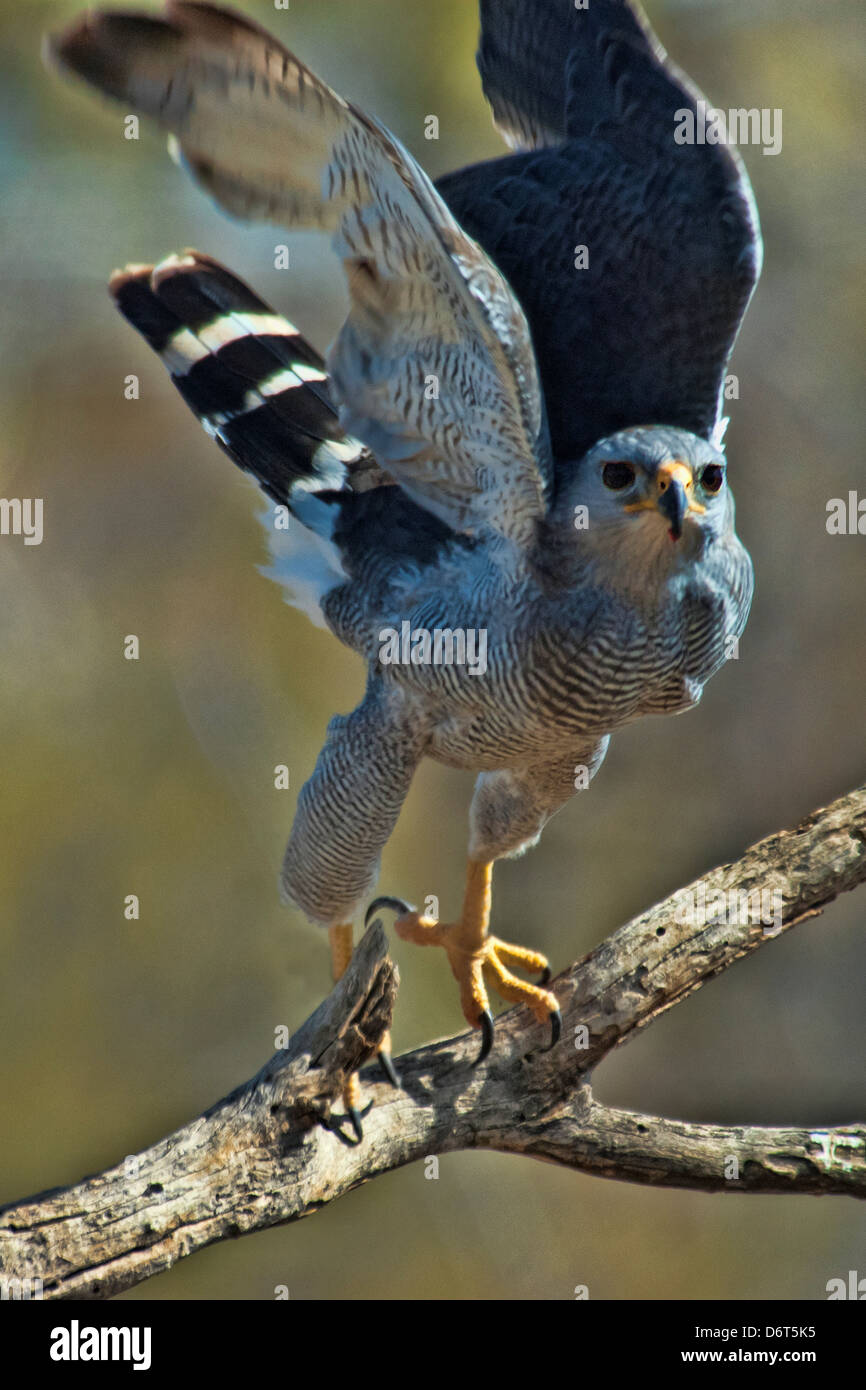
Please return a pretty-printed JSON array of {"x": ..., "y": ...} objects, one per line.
[
  {"x": 273, "y": 1150},
  {"x": 648, "y": 1149}
]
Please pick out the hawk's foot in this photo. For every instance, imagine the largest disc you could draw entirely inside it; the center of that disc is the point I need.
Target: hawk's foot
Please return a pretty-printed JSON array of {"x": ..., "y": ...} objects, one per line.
[
  {"x": 352, "y": 1103},
  {"x": 478, "y": 959},
  {"x": 384, "y": 1055},
  {"x": 340, "y": 939}
]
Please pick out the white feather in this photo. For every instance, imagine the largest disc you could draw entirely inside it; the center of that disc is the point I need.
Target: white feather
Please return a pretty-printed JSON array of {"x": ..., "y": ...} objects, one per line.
[{"x": 306, "y": 562}]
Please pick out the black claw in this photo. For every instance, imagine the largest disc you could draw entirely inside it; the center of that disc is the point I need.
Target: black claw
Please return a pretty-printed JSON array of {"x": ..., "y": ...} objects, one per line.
[
  {"x": 388, "y": 1068},
  {"x": 545, "y": 976},
  {"x": 555, "y": 1035},
  {"x": 335, "y": 1124},
  {"x": 395, "y": 904},
  {"x": 555, "y": 1030},
  {"x": 486, "y": 1037}
]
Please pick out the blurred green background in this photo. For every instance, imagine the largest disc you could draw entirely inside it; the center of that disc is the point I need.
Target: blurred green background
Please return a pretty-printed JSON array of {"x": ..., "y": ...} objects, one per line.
[{"x": 156, "y": 777}]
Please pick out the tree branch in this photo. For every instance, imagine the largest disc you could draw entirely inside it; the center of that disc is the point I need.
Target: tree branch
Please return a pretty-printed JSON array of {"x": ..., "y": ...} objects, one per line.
[{"x": 274, "y": 1149}]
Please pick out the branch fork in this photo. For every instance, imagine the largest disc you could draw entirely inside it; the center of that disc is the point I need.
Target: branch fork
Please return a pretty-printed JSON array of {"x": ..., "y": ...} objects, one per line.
[{"x": 274, "y": 1150}]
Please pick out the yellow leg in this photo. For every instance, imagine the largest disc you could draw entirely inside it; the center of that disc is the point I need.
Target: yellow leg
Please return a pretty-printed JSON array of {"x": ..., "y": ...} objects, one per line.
[{"x": 475, "y": 956}]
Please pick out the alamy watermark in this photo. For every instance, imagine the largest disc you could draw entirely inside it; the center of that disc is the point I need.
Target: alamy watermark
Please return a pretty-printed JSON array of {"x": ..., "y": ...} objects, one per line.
[
  {"x": 22, "y": 516},
  {"x": 15, "y": 1290},
  {"x": 846, "y": 517},
  {"x": 708, "y": 125},
  {"x": 443, "y": 646},
  {"x": 77, "y": 1343}
]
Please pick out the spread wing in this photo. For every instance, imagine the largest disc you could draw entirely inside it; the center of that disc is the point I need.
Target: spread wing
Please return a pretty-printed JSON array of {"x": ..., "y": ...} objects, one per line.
[
  {"x": 643, "y": 333},
  {"x": 434, "y": 368}
]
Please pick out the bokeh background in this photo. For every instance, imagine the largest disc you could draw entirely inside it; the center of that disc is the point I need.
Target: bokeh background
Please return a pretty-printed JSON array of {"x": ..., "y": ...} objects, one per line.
[{"x": 155, "y": 777}]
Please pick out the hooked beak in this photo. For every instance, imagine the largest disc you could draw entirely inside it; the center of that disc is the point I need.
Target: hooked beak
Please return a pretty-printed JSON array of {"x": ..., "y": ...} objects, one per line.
[{"x": 674, "y": 496}]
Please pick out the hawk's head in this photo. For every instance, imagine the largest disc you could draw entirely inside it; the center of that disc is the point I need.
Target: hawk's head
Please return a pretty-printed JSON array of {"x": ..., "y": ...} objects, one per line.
[{"x": 651, "y": 485}]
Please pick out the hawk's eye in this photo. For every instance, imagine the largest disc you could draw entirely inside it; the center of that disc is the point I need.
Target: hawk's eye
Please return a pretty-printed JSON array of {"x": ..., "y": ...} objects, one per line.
[
  {"x": 617, "y": 475},
  {"x": 712, "y": 477}
]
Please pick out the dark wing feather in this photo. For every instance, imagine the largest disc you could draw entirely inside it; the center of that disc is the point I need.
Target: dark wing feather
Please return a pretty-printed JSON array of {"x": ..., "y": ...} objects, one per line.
[{"x": 643, "y": 335}]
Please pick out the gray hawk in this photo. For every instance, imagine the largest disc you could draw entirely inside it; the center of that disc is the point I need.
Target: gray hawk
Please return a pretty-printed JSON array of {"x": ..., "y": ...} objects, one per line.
[{"x": 508, "y": 470}]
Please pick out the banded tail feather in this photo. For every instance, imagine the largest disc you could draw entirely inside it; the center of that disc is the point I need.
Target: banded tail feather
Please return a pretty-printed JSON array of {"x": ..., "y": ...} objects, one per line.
[
  {"x": 261, "y": 392},
  {"x": 267, "y": 139},
  {"x": 256, "y": 385}
]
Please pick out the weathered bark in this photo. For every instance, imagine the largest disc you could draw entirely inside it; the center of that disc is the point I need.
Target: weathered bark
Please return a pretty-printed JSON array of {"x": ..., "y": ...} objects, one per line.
[{"x": 274, "y": 1150}]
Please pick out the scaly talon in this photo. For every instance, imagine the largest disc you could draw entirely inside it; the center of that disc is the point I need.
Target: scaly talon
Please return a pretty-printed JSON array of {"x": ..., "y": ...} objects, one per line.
[
  {"x": 340, "y": 938},
  {"x": 355, "y": 1118},
  {"x": 474, "y": 956},
  {"x": 388, "y": 1068},
  {"x": 555, "y": 1030},
  {"x": 395, "y": 904},
  {"x": 485, "y": 1023},
  {"x": 351, "y": 1101},
  {"x": 384, "y": 1055},
  {"x": 555, "y": 1035}
]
